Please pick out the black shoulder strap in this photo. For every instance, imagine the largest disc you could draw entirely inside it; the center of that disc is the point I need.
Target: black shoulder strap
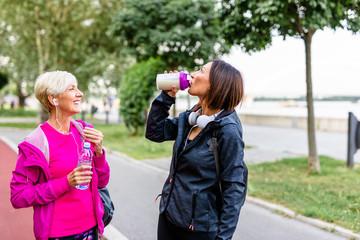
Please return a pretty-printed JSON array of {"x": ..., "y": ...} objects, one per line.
[{"x": 217, "y": 161}]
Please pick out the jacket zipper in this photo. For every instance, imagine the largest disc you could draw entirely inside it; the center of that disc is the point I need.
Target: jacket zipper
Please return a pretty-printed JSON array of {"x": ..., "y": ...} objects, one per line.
[
  {"x": 191, "y": 227},
  {"x": 172, "y": 178},
  {"x": 157, "y": 197},
  {"x": 173, "y": 175}
]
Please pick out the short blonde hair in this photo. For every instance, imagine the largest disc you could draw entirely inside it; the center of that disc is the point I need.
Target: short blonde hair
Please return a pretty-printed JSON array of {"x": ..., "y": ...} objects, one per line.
[{"x": 52, "y": 83}]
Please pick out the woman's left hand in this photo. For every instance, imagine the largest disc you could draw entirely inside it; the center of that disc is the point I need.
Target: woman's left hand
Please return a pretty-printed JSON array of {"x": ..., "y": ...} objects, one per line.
[{"x": 96, "y": 137}]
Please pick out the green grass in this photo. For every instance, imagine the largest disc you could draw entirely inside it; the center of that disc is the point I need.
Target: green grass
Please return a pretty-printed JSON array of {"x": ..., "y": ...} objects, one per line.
[
  {"x": 333, "y": 195},
  {"x": 19, "y": 125},
  {"x": 116, "y": 137},
  {"x": 18, "y": 113}
]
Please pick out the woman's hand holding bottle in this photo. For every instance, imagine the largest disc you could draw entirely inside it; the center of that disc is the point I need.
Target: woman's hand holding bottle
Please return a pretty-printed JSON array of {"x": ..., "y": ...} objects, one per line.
[
  {"x": 174, "y": 90},
  {"x": 80, "y": 175}
]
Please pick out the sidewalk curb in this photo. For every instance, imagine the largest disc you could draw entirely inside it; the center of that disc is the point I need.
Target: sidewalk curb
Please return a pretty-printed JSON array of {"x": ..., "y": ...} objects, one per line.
[
  {"x": 315, "y": 222},
  {"x": 271, "y": 206},
  {"x": 111, "y": 233},
  {"x": 138, "y": 162},
  {"x": 8, "y": 142}
]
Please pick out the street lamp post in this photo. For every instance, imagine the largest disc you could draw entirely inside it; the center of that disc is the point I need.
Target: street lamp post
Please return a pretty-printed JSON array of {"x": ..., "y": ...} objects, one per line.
[{"x": 353, "y": 139}]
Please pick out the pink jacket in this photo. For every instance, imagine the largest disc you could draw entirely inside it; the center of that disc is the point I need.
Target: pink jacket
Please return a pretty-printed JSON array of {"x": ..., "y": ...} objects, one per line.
[{"x": 31, "y": 184}]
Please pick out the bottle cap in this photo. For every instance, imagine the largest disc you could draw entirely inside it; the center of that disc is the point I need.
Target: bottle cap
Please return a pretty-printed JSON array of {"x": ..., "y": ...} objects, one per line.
[
  {"x": 86, "y": 145},
  {"x": 184, "y": 80}
]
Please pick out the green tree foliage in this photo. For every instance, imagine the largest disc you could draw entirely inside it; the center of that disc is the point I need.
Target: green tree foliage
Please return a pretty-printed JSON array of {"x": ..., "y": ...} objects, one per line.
[
  {"x": 251, "y": 24},
  {"x": 137, "y": 88},
  {"x": 71, "y": 35},
  {"x": 3, "y": 80},
  {"x": 183, "y": 33}
]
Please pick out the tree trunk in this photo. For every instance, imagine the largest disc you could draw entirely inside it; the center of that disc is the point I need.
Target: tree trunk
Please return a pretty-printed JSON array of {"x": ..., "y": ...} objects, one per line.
[
  {"x": 174, "y": 110},
  {"x": 21, "y": 101},
  {"x": 313, "y": 160},
  {"x": 43, "y": 115},
  {"x": 173, "y": 68},
  {"x": 20, "y": 95}
]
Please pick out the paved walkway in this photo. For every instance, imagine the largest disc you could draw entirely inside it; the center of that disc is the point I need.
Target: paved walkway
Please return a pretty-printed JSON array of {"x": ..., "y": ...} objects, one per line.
[
  {"x": 268, "y": 144},
  {"x": 16, "y": 224}
]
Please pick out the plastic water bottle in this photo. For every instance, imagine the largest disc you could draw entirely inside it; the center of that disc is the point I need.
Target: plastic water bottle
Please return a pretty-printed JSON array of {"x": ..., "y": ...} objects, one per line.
[
  {"x": 85, "y": 158},
  {"x": 181, "y": 80}
]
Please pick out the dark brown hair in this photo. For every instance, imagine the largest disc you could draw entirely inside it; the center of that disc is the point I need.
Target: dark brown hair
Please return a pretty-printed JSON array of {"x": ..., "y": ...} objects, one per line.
[{"x": 226, "y": 86}]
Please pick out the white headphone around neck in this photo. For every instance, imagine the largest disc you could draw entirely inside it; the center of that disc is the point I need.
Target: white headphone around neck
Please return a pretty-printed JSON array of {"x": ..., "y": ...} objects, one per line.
[
  {"x": 55, "y": 102},
  {"x": 201, "y": 120}
]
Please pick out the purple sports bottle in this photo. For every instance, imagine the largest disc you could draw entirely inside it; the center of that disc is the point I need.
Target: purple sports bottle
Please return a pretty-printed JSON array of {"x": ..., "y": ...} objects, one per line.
[{"x": 181, "y": 80}]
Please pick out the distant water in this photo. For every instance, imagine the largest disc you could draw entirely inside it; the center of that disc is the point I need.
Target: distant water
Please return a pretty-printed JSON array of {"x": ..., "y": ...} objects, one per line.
[{"x": 327, "y": 109}]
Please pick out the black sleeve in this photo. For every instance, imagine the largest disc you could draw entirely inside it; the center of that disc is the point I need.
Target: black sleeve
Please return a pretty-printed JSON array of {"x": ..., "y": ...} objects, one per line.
[{"x": 159, "y": 127}]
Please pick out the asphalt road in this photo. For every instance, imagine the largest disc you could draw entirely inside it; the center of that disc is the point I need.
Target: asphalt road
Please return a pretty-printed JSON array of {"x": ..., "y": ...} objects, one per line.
[
  {"x": 134, "y": 186},
  {"x": 293, "y": 140}
]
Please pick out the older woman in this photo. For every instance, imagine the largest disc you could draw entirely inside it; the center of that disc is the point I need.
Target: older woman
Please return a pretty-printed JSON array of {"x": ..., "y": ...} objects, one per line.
[
  {"x": 46, "y": 173},
  {"x": 197, "y": 203}
]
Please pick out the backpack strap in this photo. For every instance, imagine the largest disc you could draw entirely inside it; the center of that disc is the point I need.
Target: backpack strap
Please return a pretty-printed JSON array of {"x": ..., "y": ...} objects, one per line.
[
  {"x": 80, "y": 127},
  {"x": 217, "y": 161}
]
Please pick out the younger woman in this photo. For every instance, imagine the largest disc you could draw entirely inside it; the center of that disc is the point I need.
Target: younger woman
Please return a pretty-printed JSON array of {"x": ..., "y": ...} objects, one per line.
[{"x": 193, "y": 205}]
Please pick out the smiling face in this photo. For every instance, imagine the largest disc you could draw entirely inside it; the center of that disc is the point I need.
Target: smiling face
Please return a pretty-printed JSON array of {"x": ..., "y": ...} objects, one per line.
[
  {"x": 200, "y": 83},
  {"x": 69, "y": 100}
]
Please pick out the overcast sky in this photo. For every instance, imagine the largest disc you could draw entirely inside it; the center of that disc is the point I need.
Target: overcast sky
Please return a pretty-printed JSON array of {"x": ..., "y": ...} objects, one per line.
[{"x": 279, "y": 71}]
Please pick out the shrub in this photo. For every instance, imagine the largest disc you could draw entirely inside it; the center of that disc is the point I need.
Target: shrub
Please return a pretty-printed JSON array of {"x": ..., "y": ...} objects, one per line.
[{"x": 137, "y": 89}]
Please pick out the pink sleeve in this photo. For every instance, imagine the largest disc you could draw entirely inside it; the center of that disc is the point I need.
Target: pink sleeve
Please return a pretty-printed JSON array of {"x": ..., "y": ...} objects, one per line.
[
  {"x": 102, "y": 170},
  {"x": 60, "y": 186},
  {"x": 29, "y": 186}
]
